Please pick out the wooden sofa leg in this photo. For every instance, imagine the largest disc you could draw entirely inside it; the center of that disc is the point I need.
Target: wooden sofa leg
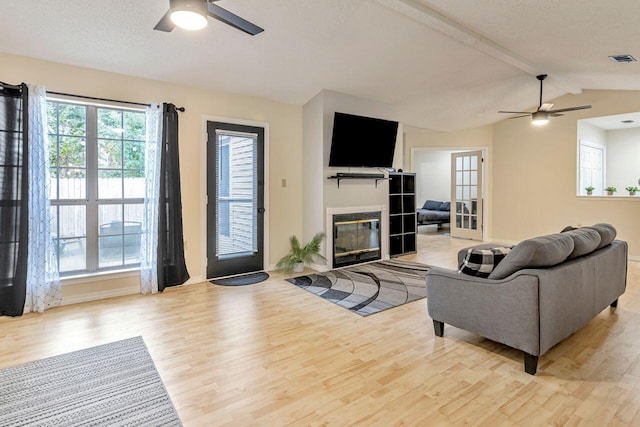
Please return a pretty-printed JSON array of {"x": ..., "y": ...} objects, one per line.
[
  {"x": 614, "y": 304},
  {"x": 530, "y": 363},
  {"x": 438, "y": 328}
]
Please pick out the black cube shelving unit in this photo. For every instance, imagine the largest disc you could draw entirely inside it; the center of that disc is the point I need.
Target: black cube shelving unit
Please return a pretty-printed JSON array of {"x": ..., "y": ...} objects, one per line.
[{"x": 402, "y": 213}]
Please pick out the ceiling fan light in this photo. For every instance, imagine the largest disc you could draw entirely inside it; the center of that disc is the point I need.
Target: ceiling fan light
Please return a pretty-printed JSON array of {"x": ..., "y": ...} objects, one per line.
[
  {"x": 188, "y": 20},
  {"x": 540, "y": 118},
  {"x": 189, "y": 14}
]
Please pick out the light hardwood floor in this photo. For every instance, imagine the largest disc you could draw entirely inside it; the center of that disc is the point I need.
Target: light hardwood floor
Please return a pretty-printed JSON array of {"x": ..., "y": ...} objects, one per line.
[{"x": 271, "y": 354}]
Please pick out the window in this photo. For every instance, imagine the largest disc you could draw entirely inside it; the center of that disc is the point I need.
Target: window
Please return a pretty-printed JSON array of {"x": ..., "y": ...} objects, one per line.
[
  {"x": 609, "y": 154},
  {"x": 97, "y": 185}
]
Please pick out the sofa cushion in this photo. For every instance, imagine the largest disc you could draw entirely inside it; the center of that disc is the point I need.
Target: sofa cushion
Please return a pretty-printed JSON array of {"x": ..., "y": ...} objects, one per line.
[
  {"x": 432, "y": 205},
  {"x": 481, "y": 262},
  {"x": 585, "y": 241},
  {"x": 445, "y": 206},
  {"x": 544, "y": 251},
  {"x": 607, "y": 233}
]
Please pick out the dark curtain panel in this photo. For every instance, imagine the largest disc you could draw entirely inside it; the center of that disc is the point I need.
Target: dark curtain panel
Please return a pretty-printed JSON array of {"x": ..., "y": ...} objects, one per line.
[
  {"x": 14, "y": 202},
  {"x": 172, "y": 269}
]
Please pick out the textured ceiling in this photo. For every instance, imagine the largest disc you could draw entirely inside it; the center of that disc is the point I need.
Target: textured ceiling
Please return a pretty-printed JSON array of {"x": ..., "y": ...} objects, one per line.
[{"x": 440, "y": 64}]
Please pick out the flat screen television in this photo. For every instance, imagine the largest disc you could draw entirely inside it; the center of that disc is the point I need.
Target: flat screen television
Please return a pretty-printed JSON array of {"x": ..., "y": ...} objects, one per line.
[{"x": 359, "y": 141}]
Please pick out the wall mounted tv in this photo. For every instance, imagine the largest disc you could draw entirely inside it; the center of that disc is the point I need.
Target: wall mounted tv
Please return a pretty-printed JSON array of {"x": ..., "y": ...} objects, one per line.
[{"x": 359, "y": 141}]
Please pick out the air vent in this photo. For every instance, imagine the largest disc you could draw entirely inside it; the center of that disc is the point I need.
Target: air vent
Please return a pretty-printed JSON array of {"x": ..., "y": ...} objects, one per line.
[
  {"x": 626, "y": 122},
  {"x": 622, "y": 58}
]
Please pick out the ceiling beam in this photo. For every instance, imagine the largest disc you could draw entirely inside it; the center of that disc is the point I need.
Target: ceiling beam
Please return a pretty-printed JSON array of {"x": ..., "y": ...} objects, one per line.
[{"x": 447, "y": 26}]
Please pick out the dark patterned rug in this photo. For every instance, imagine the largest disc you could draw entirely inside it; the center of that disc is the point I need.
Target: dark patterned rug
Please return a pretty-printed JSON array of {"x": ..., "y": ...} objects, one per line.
[
  {"x": 241, "y": 280},
  {"x": 115, "y": 384},
  {"x": 369, "y": 288}
]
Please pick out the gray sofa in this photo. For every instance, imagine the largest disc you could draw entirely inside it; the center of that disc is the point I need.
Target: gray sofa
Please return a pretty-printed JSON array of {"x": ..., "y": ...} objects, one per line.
[{"x": 544, "y": 290}]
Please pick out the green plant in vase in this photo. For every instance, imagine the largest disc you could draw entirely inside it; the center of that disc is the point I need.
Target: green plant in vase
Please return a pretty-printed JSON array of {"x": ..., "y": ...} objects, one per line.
[
  {"x": 632, "y": 190},
  {"x": 590, "y": 190},
  {"x": 295, "y": 260},
  {"x": 610, "y": 190}
]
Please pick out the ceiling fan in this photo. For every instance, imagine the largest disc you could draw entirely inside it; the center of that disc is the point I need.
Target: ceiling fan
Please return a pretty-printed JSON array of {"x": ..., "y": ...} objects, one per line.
[
  {"x": 192, "y": 15},
  {"x": 544, "y": 111}
]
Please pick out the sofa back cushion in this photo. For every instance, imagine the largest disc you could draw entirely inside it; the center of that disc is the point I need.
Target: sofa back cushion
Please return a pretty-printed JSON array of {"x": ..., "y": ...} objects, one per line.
[
  {"x": 432, "y": 205},
  {"x": 544, "y": 251},
  {"x": 607, "y": 233},
  {"x": 585, "y": 241},
  {"x": 480, "y": 262},
  {"x": 445, "y": 206}
]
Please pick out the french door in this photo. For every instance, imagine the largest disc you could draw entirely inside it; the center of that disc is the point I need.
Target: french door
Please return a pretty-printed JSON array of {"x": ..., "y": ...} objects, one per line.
[
  {"x": 235, "y": 194},
  {"x": 466, "y": 195}
]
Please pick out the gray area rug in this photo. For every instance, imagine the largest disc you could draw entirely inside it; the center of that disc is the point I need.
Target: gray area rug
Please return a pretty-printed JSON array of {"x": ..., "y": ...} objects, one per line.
[
  {"x": 369, "y": 288},
  {"x": 115, "y": 384}
]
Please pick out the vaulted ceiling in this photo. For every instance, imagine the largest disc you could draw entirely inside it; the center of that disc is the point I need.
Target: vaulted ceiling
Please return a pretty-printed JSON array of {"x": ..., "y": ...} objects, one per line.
[{"x": 439, "y": 64}]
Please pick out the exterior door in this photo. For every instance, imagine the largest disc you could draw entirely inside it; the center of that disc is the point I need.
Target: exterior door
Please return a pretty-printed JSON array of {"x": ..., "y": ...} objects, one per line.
[
  {"x": 466, "y": 195},
  {"x": 235, "y": 199}
]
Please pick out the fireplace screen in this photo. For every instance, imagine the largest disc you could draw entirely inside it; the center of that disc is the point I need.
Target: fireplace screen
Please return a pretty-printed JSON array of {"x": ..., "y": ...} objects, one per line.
[{"x": 356, "y": 238}]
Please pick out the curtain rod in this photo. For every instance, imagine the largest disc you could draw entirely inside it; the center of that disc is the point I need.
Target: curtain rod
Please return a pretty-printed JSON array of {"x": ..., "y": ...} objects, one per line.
[
  {"x": 181, "y": 109},
  {"x": 7, "y": 85}
]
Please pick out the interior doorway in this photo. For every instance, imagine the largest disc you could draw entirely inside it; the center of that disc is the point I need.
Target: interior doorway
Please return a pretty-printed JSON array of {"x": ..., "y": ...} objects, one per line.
[{"x": 435, "y": 181}]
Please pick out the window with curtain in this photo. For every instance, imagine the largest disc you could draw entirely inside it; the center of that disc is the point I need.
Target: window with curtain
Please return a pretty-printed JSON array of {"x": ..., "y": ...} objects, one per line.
[{"x": 97, "y": 157}]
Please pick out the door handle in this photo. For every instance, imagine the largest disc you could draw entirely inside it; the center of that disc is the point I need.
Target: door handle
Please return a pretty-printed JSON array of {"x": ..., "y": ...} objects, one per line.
[{"x": 261, "y": 210}]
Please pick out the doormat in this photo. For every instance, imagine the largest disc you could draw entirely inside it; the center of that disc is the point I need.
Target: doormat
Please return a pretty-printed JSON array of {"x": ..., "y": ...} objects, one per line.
[
  {"x": 245, "y": 279},
  {"x": 111, "y": 384},
  {"x": 369, "y": 288}
]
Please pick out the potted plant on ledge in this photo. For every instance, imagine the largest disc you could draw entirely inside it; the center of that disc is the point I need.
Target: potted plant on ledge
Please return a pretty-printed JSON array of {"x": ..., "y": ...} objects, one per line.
[
  {"x": 590, "y": 190},
  {"x": 296, "y": 258},
  {"x": 632, "y": 190},
  {"x": 610, "y": 190}
]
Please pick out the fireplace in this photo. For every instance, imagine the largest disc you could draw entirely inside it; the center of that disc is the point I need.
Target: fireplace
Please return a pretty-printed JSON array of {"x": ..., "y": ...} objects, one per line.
[{"x": 356, "y": 238}]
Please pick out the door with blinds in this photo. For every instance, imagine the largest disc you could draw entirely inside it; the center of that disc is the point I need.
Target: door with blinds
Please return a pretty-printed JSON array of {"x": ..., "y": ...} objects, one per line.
[
  {"x": 466, "y": 195},
  {"x": 235, "y": 199}
]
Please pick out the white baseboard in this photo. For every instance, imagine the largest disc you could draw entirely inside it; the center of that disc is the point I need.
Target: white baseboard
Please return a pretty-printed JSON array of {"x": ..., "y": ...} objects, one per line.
[
  {"x": 112, "y": 293},
  {"x": 98, "y": 295}
]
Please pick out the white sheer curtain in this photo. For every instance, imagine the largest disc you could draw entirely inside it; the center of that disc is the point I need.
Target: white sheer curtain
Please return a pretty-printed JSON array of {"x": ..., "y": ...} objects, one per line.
[
  {"x": 43, "y": 282},
  {"x": 149, "y": 240}
]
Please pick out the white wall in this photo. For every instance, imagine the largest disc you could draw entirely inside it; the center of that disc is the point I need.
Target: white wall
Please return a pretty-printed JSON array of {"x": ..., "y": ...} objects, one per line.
[
  {"x": 417, "y": 140},
  {"x": 623, "y": 158},
  {"x": 433, "y": 175},
  {"x": 313, "y": 171},
  {"x": 590, "y": 133},
  {"x": 321, "y": 193}
]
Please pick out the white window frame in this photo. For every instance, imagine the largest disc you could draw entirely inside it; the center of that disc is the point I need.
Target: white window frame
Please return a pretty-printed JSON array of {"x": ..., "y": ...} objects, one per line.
[{"x": 91, "y": 201}]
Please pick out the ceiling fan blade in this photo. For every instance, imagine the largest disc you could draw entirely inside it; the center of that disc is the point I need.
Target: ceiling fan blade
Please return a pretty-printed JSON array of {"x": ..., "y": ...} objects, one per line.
[
  {"x": 517, "y": 117},
  {"x": 545, "y": 107},
  {"x": 234, "y": 20},
  {"x": 554, "y": 115},
  {"x": 515, "y": 112},
  {"x": 562, "y": 110},
  {"x": 165, "y": 23}
]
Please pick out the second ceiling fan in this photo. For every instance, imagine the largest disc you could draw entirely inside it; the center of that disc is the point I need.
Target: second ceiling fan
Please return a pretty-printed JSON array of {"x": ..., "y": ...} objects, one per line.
[
  {"x": 192, "y": 15},
  {"x": 544, "y": 111}
]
